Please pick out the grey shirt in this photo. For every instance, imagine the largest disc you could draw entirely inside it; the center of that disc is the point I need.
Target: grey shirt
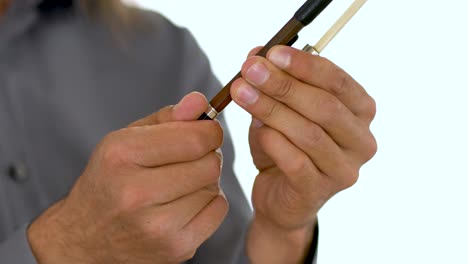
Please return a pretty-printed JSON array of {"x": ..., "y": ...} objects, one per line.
[{"x": 65, "y": 82}]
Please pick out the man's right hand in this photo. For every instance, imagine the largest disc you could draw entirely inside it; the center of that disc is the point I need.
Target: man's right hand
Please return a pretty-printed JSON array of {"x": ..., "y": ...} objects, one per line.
[{"x": 150, "y": 194}]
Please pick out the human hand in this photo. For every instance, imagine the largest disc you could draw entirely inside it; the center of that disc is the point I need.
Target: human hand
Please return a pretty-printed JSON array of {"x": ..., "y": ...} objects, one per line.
[
  {"x": 150, "y": 194},
  {"x": 309, "y": 137}
]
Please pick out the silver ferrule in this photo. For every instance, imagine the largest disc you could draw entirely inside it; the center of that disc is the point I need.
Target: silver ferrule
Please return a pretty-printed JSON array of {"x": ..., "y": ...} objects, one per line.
[
  {"x": 211, "y": 112},
  {"x": 310, "y": 49}
]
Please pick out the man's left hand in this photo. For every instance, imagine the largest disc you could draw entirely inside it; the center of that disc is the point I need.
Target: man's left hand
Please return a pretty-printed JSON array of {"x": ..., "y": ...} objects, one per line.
[{"x": 309, "y": 137}]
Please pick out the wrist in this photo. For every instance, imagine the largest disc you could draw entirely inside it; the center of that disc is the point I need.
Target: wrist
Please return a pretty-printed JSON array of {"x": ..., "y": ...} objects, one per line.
[
  {"x": 288, "y": 245},
  {"x": 47, "y": 238}
]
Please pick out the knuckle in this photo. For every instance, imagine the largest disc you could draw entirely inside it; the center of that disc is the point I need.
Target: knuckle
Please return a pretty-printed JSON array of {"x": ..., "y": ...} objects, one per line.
[
  {"x": 208, "y": 137},
  {"x": 181, "y": 248},
  {"x": 217, "y": 133},
  {"x": 158, "y": 229},
  {"x": 189, "y": 254},
  {"x": 225, "y": 209},
  {"x": 285, "y": 89},
  {"x": 129, "y": 199},
  {"x": 198, "y": 143},
  {"x": 299, "y": 165},
  {"x": 371, "y": 148},
  {"x": 213, "y": 165},
  {"x": 342, "y": 80},
  {"x": 350, "y": 178},
  {"x": 212, "y": 190},
  {"x": 270, "y": 111},
  {"x": 323, "y": 66},
  {"x": 370, "y": 108},
  {"x": 330, "y": 106},
  {"x": 114, "y": 150},
  {"x": 314, "y": 135}
]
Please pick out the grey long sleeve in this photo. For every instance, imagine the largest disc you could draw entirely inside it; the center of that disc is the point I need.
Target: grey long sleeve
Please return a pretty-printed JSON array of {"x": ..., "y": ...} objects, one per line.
[
  {"x": 16, "y": 250},
  {"x": 65, "y": 82}
]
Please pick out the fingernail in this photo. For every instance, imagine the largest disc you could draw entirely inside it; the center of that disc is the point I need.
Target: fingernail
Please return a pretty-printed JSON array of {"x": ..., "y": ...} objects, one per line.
[
  {"x": 257, "y": 74},
  {"x": 246, "y": 94},
  {"x": 219, "y": 152},
  {"x": 280, "y": 57},
  {"x": 257, "y": 123}
]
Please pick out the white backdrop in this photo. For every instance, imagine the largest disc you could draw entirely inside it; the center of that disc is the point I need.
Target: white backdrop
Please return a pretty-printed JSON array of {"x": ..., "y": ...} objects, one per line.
[{"x": 411, "y": 202}]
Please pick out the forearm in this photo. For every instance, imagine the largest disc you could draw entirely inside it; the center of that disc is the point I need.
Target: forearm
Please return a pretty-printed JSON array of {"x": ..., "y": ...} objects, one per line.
[{"x": 267, "y": 243}]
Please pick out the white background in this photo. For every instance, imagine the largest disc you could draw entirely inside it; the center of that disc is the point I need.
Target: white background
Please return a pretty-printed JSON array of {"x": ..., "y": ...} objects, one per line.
[{"x": 411, "y": 202}]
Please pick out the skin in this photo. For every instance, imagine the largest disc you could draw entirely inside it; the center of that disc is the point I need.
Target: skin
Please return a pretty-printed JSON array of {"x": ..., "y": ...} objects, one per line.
[
  {"x": 309, "y": 137},
  {"x": 151, "y": 194}
]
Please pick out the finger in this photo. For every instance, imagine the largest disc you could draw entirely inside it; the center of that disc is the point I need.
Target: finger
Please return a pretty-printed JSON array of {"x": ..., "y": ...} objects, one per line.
[
  {"x": 205, "y": 223},
  {"x": 254, "y": 51},
  {"x": 152, "y": 146},
  {"x": 189, "y": 108},
  {"x": 299, "y": 169},
  {"x": 172, "y": 181},
  {"x": 322, "y": 73},
  {"x": 180, "y": 212},
  {"x": 315, "y": 104},
  {"x": 304, "y": 134},
  {"x": 304, "y": 172},
  {"x": 262, "y": 160}
]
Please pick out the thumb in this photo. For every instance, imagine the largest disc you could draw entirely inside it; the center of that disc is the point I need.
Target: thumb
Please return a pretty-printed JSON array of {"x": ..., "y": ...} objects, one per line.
[
  {"x": 189, "y": 108},
  {"x": 261, "y": 160}
]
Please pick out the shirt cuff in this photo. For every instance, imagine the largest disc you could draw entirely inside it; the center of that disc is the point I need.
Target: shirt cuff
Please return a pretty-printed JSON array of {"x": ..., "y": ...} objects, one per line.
[
  {"x": 312, "y": 256},
  {"x": 16, "y": 249}
]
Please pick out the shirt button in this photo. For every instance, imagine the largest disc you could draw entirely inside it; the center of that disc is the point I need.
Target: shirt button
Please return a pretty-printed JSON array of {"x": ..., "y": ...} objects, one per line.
[{"x": 18, "y": 172}]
